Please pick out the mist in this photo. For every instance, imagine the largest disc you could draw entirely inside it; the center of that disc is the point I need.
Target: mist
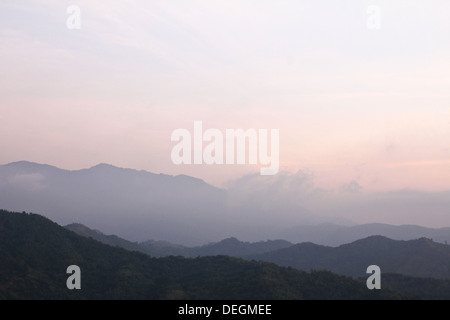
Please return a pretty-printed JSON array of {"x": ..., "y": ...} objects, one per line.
[{"x": 140, "y": 205}]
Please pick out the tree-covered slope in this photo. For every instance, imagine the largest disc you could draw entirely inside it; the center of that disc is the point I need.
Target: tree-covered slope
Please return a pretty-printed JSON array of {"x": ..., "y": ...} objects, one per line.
[{"x": 36, "y": 253}]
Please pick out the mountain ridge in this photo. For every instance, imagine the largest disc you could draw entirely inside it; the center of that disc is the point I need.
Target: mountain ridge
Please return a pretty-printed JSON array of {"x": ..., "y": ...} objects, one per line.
[
  {"x": 136, "y": 203},
  {"x": 37, "y": 251},
  {"x": 229, "y": 246},
  {"x": 139, "y": 205},
  {"x": 419, "y": 257}
]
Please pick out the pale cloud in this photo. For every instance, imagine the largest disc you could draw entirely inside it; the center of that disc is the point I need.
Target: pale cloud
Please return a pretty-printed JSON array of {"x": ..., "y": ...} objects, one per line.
[{"x": 295, "y": 197}]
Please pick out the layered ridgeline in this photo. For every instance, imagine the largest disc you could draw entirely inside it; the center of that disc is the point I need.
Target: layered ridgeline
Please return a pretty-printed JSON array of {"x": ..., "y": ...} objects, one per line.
[
  {"x": 140, "y": 205},
  {"x": 35, "y": 253},
  {"x": 126, "y": 202},
  {"x": 229, "y": 247},
  {"x": 420, "y": 257}
]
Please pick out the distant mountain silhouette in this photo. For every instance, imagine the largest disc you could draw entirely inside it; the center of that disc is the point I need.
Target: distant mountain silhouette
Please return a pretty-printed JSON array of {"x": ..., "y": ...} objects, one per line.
[
  {"x": 236, "y": 248},
  {"x": 421, "y": 257},
  {"x": 35, "y": 253},
  {"x": 140, "y": 205},
  {"x": 230, "y": 246},
  {"x": 130, "y": 203},
  {"x": 111, "y": 240},
  {"x": 334, "y": 235}
]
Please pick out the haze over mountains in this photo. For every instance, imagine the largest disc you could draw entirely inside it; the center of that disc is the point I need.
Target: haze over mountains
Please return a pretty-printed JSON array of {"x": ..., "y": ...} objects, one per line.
[
  {"x": 130, "y": 203},
  {"x": 140, "y": 205},
  {"x": 420, "y": 257},
  {"x": 230, "y": 246}
]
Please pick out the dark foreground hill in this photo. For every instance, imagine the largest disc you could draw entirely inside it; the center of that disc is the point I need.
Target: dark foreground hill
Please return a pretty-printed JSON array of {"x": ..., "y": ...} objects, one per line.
[
  {"x": 35, "y": 253},
  {"x": 417, "y": 287}
]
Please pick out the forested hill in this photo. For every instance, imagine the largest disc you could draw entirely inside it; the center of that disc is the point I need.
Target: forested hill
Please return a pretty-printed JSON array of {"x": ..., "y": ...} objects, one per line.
[
  {"x": 419, "y": 258},
  {"x": 35, "y": 253}
]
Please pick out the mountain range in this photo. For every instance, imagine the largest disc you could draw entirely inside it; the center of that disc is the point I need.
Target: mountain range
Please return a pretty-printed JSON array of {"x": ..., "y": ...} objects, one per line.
[
  {"x": 421, "y": 257},
  {"x": 36, "y": 253},
  {"x": 230, "y": 246},
  {"x": 130, "y": 203},
  {"x": 140, "y": 205}
]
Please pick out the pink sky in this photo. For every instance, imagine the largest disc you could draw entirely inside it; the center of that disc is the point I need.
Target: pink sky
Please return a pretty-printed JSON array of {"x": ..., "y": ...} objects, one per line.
[{"x": 351, "y": 104}]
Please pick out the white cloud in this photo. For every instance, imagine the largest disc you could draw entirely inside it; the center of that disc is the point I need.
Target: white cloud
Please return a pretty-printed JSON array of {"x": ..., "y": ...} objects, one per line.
[{"x": 295, "y": 197}]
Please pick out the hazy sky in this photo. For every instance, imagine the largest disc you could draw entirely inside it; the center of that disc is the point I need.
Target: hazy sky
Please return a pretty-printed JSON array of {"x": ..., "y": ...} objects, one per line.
[{"x": 356, "y": 107}]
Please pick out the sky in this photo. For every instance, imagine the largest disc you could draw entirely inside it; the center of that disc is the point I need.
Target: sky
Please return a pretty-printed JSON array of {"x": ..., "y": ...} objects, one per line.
[{"x": 359, "y": 107}]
